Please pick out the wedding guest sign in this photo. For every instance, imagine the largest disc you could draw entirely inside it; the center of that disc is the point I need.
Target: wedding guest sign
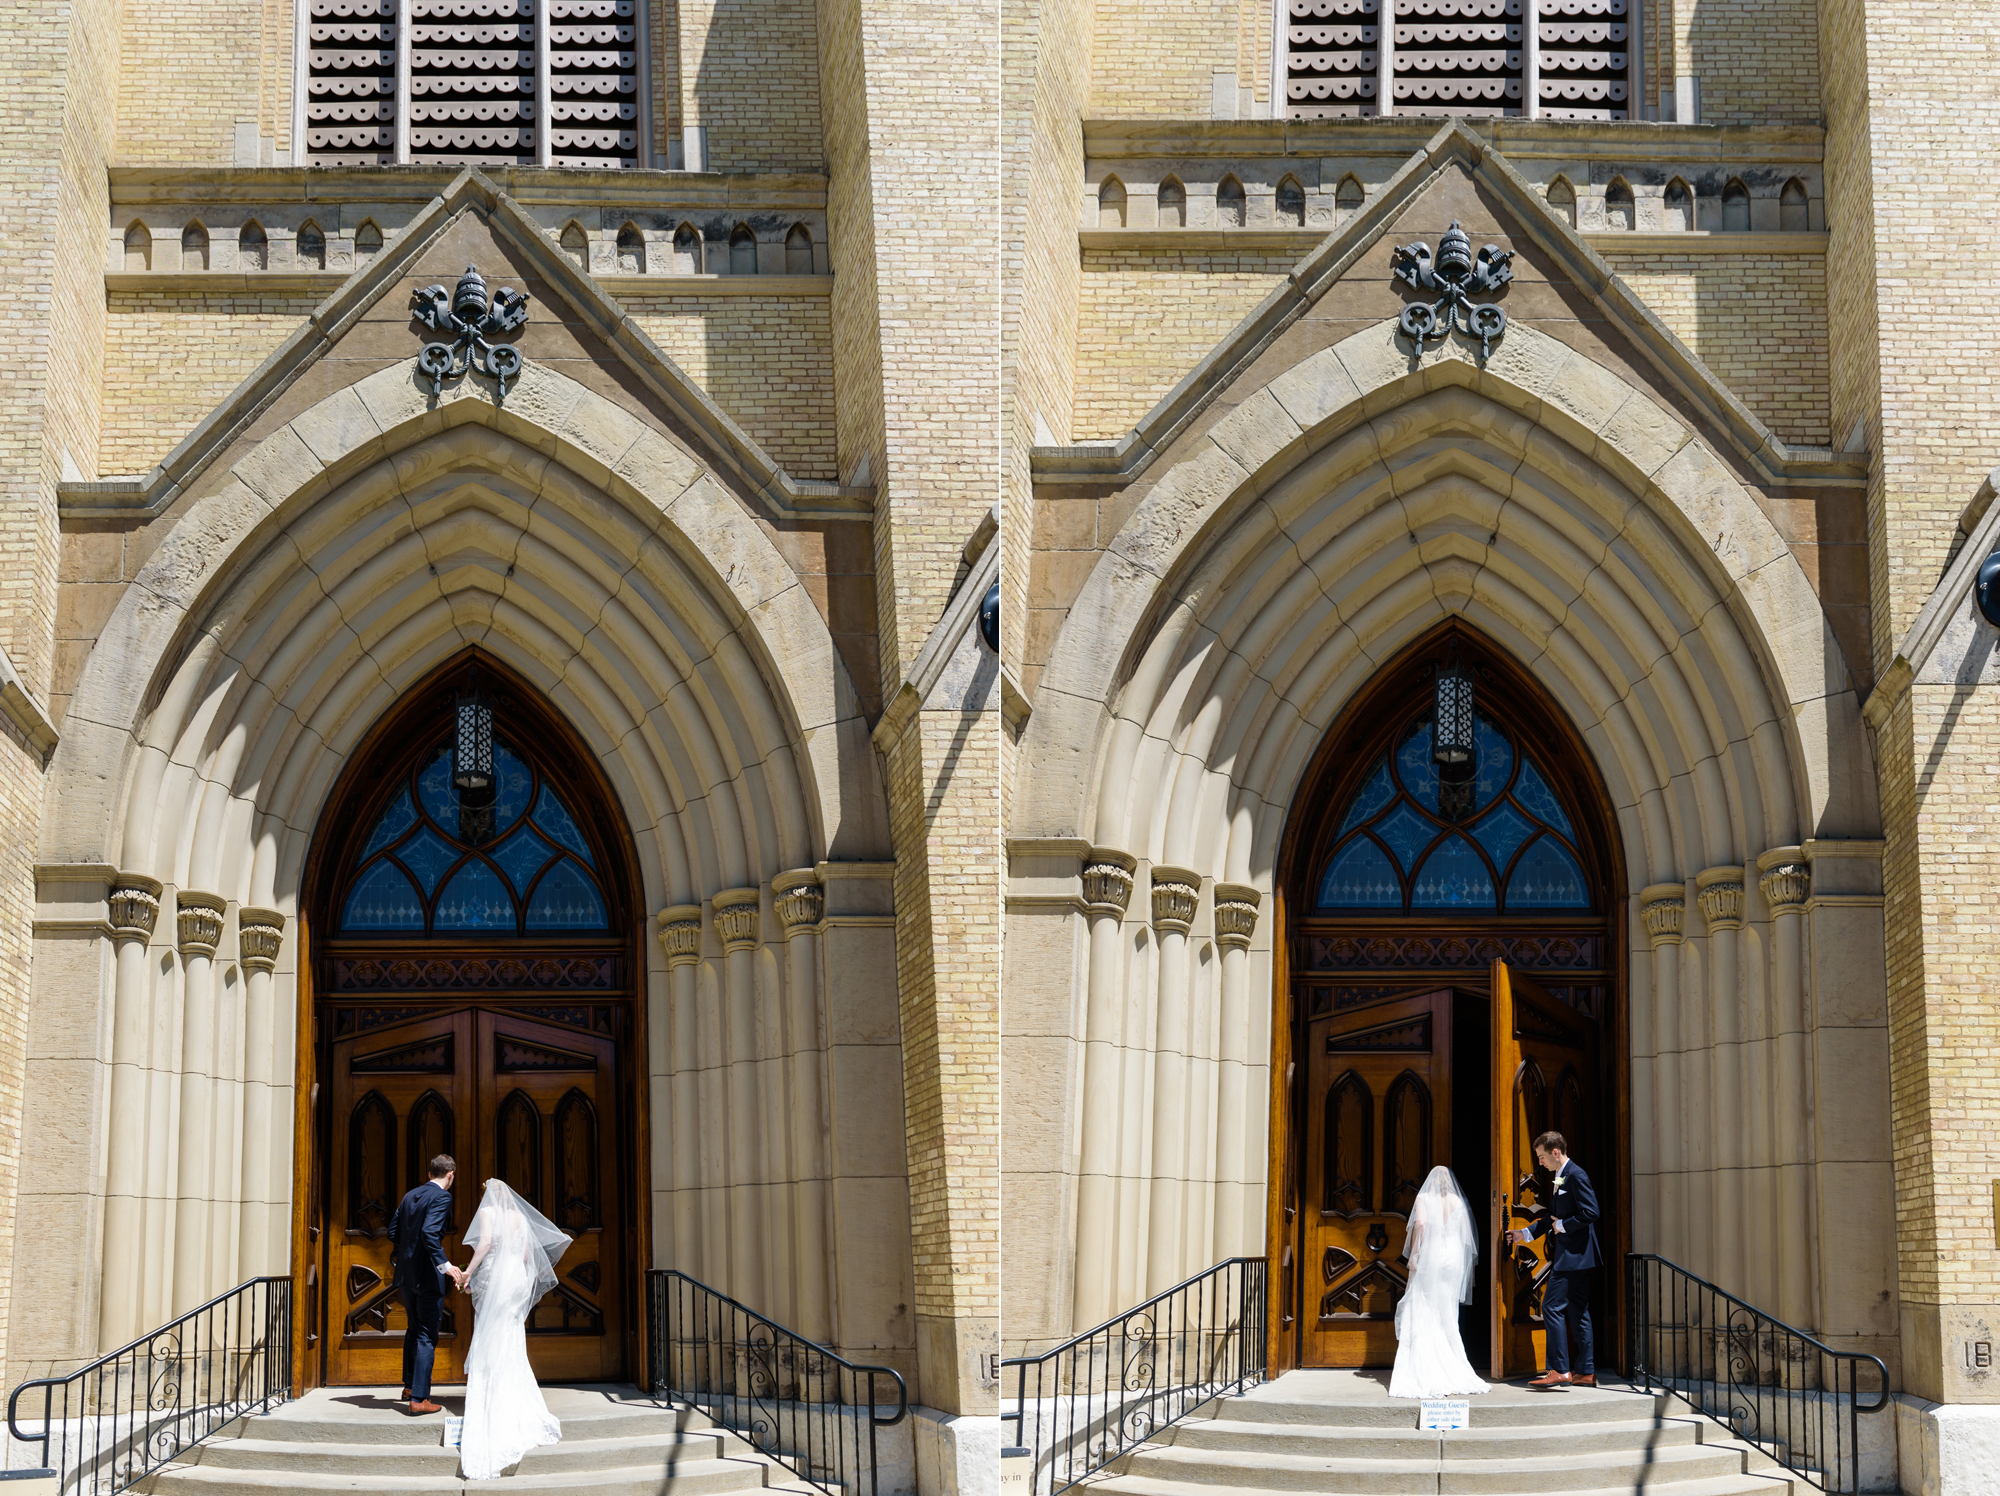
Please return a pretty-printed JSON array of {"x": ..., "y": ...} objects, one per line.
[
  {"x": 1442, "y": 1413},
  {"x": 453, "y": 1428}
]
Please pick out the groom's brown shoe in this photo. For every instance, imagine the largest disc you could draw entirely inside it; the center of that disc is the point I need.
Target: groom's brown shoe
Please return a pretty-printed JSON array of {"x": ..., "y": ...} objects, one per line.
[
  {"x": 406, "y": 1395},
  {"x": 426, "y": 1407},
  {"x": 1551, "y": 1379},
  {"x": 1588, "y": 1379}
]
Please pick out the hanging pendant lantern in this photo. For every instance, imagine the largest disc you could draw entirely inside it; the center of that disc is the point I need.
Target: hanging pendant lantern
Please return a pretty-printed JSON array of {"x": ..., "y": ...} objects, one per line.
[
  {"x": 1451, "y": 725},
  {"x": 472, "y": 747}
]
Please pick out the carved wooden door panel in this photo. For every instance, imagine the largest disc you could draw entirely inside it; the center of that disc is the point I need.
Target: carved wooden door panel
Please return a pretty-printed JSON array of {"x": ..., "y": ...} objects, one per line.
[
  {"x": 1377, "y": 1119},
  {"x": 401, "y": 1094},
  {"x": 1544, "y": 1077},
  {"x": 546, "y": 1098}
]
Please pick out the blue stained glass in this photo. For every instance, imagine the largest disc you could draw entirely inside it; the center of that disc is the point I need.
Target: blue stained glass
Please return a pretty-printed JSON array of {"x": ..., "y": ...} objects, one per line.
[
  {"x": 1372, "y": 796},
  {"x": 1407, "y": 834},
  {"x": 398, "y": 818},
  {"x": 1534, "y": 793},
  {"x": 429, "y": 856},
  {"x": 510, "y": 788},
  {"x": 475, "y": 899},
  {"x": 1413, "y": 764},
  {"x": 1361, "y": 877},
  {"x": 384, "y": 899},
  {"x": 434, "y": 789},
  {"x": 1453, "y": 877},
  {"x": 553, "y": 817},
  {"x": 1547, "y": 877},
  {"x": 1494, "y": 756},
  {"x": 521, "y": 857},
  {"x": 1501, "y": 833},
  {"x": 566, "y": 899}
]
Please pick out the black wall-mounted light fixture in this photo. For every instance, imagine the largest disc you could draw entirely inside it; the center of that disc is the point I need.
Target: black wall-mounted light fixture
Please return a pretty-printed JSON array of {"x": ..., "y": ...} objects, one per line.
[
  {"x": 472, "y": 745},
  {"x": 1452, "y": 747},
  {"x": 1986, "y": 590},
  {"x": 989, "y": 617}
]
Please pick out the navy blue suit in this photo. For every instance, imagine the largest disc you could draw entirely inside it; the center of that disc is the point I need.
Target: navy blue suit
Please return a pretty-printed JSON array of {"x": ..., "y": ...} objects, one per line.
[
  {"x": 417, "y": 1234},
  {"x": 1573, "y": 1256}
]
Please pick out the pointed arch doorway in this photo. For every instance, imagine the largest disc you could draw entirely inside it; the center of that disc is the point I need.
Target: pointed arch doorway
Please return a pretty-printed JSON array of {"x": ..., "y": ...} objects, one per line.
[
  {"x": 471, "y": 988},
  {"x": 1449, "y": 984}
]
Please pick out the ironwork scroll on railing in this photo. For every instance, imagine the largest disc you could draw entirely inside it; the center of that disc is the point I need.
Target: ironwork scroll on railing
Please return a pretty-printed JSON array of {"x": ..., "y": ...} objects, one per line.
[
  {"x": 812, "y": 1410},
  {"x": 1779, "y": 1388},
  {"x": 113, "y": 1422},
  {"x": 1097, "y": 1396}
]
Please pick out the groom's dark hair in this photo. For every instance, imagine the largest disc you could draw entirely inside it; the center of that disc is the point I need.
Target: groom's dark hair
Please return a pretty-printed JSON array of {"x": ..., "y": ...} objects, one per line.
[
  {"x": 442, "y": 1165},
  {"x": 1550, "y": 1142}
]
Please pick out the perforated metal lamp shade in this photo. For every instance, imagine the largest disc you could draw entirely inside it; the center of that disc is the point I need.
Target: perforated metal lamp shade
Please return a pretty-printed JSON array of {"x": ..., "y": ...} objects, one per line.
[
  {"x": 1451, "y": 724},
  {"x": 472, "y": 745}
]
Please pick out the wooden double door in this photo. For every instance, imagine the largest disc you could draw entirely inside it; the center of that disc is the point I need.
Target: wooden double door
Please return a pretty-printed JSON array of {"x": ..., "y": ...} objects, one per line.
[
  {"x": 1459, "y": 1077},
  {"x": 508, "y": 1097}
]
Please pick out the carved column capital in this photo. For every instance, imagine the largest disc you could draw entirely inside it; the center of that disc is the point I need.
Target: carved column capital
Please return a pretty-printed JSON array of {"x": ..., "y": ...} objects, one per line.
[
  {"x": 1236, "y": 906},
  {"x": 1663, "y": 909},
  {"x": 736, "y": 918},
  {"x": 798, "y": 899},
  {"x": 260, "y": 935},
  {"x": 135, "y": 907},
  {"x": 1176, "y": 891},
  {"x": 1719, "y": 892},
  {"x": 199, "y": 917},
  {"x": 1107, "y": 881},
  {"x": 1786, "y": 879},
  {"x": 680, "y": 933}
]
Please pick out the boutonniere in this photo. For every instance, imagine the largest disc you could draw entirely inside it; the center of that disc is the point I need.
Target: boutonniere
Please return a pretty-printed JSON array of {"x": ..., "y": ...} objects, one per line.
[{"x": 1560, "y": 1186}]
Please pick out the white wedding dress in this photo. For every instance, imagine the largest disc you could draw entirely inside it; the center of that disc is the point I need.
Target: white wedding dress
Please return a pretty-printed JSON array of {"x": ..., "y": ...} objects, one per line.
[
  {"x": 515, "y": 1249},
  {"x": 1442, "y": 1248}
]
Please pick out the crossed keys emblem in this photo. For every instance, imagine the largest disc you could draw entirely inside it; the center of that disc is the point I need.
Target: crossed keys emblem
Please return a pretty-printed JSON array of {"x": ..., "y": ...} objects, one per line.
[
  {"x": 468, "y": 318},
  {"x": 1454, "y": 278}
]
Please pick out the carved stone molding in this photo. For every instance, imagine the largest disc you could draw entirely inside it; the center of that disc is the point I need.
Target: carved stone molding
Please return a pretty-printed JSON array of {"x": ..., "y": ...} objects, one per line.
[
  {"x": 737, "y": 918},
  {"x": 1786, "y": 879},
  {"x": 260, "y": 935},
  {"x": 1107, "y": 881},
  {"x": 1663, "y": 908},
  {"x": 1719, "y": 891},
  {"x": 798, "y": 899},
  {"x": 200, "y": 922},
  {"x": 1236, "y": 906},
  {"x": 680, "y": 933},
  {"x": 1176, "y": 891},
  {"x": 135, "y": 907}
]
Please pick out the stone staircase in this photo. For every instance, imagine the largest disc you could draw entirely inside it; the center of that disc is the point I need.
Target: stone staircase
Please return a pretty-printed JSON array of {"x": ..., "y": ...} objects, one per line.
[
  {"x": 1339, "y": 1432},
  {"x": 616, "y": 1441}
]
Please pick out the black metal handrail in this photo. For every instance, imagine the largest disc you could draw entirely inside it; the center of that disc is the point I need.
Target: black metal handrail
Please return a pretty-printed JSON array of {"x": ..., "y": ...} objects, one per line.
[
  {"x": 1100, "y": 1394},
  {"x": 109, "y": 1424},
  {"x": 1779, "y": 1388},
  {"x": 805, "y": 1406}
]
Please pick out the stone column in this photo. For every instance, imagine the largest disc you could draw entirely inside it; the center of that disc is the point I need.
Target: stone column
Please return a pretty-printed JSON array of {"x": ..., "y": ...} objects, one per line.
[
  {"x": 199, "y": 918},
  {"x": 1107, "y": 892},
  {"x": 1663, "y": 911},
  {"x": 799, "y": 901},
  {"x": 680, "y": 938},
  {"x": 1719, "y": 891},
  {"x": 1236, "y": 906},
  {"x": 737, "y": 918},
  {"x": 1176, "y": 891},
  {"x": 134, "y": 907},
  {"x": 260, "y": 935},
  {"x": 1786, "y": 881}
]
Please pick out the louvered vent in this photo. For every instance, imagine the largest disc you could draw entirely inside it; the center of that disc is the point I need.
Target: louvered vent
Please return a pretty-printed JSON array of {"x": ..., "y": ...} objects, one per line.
[
  {"x": 351, "y": 82},
  {"x": 593, "y": 82},
  {"x": 1458, "y": 57},
  {"x": 1332, "y": 58},
  {"x": 472, "y": 82},
  {"x": 1584, "y": 59}
]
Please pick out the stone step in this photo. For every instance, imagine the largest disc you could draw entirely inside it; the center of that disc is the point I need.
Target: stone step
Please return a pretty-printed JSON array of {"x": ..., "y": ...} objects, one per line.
[
  {"x": 1727, "y": 1485},
  {"x": 1522, "y": 1409},
  {"x": 1331, "y": 1441},
  {"x": 297, "y": 1423},
  {"x": 1581, "y": 1470},
  {"x": 697, "y": 1478},
  {"x": 573, "y": 1453}
]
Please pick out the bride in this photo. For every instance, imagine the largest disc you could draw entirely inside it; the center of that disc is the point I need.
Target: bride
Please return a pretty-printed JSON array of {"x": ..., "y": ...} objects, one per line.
[
  {"x": 1443, "y": 1251},
  {"x": 515, "y": 1249}
]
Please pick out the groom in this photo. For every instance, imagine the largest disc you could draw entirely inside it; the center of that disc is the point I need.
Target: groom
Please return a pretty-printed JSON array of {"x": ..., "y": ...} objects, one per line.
[
  {"x": 1571, "y": 1224},
  {"x": 417, "y": 1235}
]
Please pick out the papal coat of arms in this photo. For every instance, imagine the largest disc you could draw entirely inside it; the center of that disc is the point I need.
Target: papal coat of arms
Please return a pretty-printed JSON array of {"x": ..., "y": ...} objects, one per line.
[
  {"x": 469, "y": 318},
  {"x": 1454, "y": 277}
]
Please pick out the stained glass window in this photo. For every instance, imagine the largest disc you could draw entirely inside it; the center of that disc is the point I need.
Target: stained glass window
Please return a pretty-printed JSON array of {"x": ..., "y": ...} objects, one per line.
[
  {"x": 432, "y": 863},
  {"x": 1515, "y": 850}
]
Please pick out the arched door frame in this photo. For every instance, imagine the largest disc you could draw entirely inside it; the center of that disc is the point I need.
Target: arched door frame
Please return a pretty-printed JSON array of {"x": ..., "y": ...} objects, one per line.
[
  {"x": 1333, "y": 773},
  {"x": 394, "y": 738}
]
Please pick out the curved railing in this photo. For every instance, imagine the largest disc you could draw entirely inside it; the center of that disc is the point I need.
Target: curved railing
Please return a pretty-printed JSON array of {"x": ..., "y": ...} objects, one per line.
[
  {"x": 114, "y": 1422},
  {"x": 805, "y": 1406},
  {"x": 1100, "y": 1394},
  {"x": 1792, "y": 1395}
]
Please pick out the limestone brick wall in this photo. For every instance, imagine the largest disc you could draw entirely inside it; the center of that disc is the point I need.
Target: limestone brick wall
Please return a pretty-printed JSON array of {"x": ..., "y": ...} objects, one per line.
[
  {"x": 1758, "y": 62},
  {"x": 175, "y": 104},
  {"x": 1758, "y": 322},
  {"x": 749, "y": 75},
  {"x": 20, "y": 804},
  {"x": 1158, "y": 62}
]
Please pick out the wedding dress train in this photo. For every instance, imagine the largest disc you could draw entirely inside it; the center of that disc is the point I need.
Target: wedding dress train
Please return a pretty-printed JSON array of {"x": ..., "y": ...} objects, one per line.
[
  {"x": 513, "y": 1265},
  {"x": 1443, "y": 1253}
]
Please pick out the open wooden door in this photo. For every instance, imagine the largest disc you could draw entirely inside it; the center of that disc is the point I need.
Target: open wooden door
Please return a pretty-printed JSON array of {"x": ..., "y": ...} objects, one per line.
[{"x": 1544, "y": 1077}]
